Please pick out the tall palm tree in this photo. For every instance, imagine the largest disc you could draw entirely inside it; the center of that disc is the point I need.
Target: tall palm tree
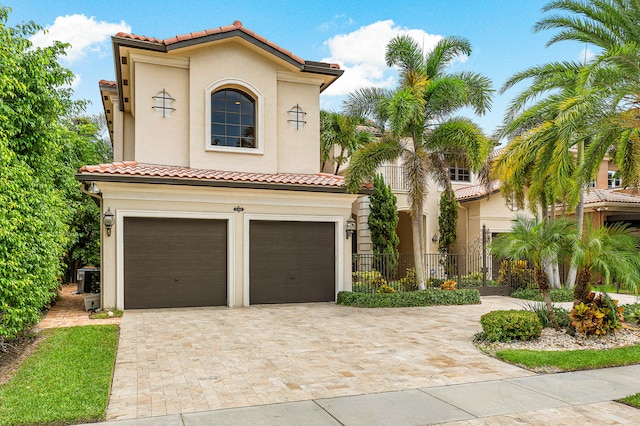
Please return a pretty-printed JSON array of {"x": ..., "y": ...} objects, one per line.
[
  {"x": 535, "y": 240},
  {"x": 611, "y": 252},
  {"x": 590, "y": 109},
  {"x": 343, "y": 132},
  {"x": 421, "y": 129}
]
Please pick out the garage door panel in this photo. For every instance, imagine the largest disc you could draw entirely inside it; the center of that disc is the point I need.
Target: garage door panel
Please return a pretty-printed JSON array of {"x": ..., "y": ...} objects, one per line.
[
  {"x": 292, "y": 262},
  {"x": 175, "y": 262}
]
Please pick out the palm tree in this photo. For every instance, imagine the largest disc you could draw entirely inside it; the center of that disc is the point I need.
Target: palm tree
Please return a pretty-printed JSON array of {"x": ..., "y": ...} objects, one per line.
[
  {"x": 535, "y": 240},
  {"x": 591, "y": 109},
  {"x": 342, "y": 131},
  {"x": 422, "y": 131},
  {"x": 611, "y": 252}
]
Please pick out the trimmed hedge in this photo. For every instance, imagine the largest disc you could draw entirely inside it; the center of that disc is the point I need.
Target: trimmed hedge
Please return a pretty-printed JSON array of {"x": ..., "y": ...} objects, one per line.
[
  {"x": 556, "y": 294},
  {"x": 505, "y": 326},
  {"x": 407, "y": 299}
]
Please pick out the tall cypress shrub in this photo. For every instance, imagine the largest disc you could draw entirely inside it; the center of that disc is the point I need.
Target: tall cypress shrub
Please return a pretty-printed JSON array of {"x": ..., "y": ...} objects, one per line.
[
  {"x": 447, "y": 221},
  {"x": 383, "y": 220}
]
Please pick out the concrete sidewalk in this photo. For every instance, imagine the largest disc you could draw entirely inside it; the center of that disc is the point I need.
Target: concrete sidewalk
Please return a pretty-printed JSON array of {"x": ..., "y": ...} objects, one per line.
[{"x": 579, "y": 398}]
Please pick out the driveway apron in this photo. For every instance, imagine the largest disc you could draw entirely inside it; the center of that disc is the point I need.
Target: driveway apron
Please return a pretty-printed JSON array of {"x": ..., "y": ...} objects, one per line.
[{"x": 174, "y": 361}]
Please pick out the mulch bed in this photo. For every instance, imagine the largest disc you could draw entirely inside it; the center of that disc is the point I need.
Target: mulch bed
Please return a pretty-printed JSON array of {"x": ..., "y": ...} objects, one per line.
[{"x": 16, "y": 352}]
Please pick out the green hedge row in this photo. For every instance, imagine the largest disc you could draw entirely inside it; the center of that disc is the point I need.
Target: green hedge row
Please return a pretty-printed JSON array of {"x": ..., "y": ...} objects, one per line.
[{"x": 406, "y": 299}]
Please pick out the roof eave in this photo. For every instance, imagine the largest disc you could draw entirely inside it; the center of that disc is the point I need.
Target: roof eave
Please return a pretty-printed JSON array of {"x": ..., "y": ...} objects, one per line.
[{"x": 89, "y": 177}]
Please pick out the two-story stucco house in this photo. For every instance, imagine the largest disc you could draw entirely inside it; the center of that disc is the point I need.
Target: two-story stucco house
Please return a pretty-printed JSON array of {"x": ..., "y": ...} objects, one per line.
[{"x": 215, "y": 188}]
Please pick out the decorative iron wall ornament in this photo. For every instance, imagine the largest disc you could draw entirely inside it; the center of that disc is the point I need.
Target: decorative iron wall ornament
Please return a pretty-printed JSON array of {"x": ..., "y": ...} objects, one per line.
[
  {"x": 164, "y": 103},
  {"x": 296, "y": 117}
]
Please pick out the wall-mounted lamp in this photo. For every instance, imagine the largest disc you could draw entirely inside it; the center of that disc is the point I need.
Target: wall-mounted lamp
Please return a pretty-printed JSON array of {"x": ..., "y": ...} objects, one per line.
[
  {"x": 93, "y": 188},
  {"x": 108, "y": 219},
  {"x": 435, "y": 238},
  {"x": 351, "y": 227}
]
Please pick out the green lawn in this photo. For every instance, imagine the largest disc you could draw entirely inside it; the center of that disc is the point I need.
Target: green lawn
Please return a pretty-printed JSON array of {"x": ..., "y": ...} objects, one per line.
[
  {"x": 575, "y": 360},
  {"x": 572, "y": 360},
  {"x": 66, "y": 380}
]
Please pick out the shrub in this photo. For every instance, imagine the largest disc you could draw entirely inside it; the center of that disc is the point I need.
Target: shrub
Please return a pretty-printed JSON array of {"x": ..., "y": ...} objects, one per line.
[
  {"x": 540, "y": 309},
  {"x": 601, "y": 315},
  {"x": 368, "y": 281},
  {"x": 435, "y": 282},
  {"x": 448, "y": 285},
  {"x": 409, "y": 282},
  {"x": 517, "y": 273},
  {"x": 557, "y": 294},
  {"x": 632, "y": 312},
  {"x": 505, "y": 326},
  {"x": 407, "y": 299},
  {"x": 474, "y": 279},
  {"x": 384, "y": 288}
]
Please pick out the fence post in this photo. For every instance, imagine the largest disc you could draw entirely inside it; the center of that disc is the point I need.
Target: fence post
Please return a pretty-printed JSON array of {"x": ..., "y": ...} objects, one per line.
[{"x": 484, "y": 255}]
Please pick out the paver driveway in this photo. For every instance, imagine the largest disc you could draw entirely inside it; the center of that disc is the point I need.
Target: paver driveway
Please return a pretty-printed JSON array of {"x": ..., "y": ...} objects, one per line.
[{"x": 194, "y": 359}]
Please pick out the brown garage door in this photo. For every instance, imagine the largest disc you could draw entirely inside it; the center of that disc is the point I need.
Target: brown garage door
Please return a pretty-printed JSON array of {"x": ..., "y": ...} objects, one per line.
[
  {"x": 174, "y": 262},
  {"x": 291, "y": 262}
]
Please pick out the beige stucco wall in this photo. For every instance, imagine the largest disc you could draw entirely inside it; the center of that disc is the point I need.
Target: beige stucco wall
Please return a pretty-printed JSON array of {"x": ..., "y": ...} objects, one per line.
[
  {"x": 189, "y": 202},
  {"x": 158, "y": 139},
  {"x": 298, "y": 149},
  {"x": 490, "y": 211},
  {"x": 129, "y": 140},
  {"x": 189, "y": 75}
]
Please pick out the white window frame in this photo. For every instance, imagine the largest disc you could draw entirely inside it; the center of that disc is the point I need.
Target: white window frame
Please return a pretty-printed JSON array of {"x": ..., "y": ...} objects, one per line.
[
  {"x": 249, "y": 89},
  {"x": 456, "y": 171},
  {"x": 613, "y": 182}
]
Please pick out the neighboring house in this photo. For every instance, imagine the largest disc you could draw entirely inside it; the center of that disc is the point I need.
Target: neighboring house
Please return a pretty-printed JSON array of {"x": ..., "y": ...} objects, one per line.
[
  {"x": 215, "y": 186},
  {"x": 605, "y": 202}
]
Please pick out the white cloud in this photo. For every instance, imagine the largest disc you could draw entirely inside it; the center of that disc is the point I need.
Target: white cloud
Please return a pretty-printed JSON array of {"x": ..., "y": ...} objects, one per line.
[
  {"x": 84, "y": 34},
  {"x": 586, "y": 55},
  {"x": 77, "y": 78},
  {"x": 361, "y": 54}
]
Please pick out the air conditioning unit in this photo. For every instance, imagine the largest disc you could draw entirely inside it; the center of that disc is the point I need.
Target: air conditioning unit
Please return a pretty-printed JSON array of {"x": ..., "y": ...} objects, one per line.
[{"x": 88, "y": 280}]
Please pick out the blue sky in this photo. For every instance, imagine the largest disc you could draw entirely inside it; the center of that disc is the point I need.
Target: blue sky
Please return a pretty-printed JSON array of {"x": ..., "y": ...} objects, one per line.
[{"x": 352, "y": 33}]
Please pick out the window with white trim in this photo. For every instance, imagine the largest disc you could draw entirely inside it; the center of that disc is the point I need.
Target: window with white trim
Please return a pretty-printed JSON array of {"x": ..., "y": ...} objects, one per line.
[
  {"x": 233, "y": 119},
  {"x": 613, "y": 181},
  {"x": 459, "y": 174}
]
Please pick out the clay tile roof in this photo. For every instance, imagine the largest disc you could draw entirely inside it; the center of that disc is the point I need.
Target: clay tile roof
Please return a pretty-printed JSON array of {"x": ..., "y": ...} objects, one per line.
[
  {"x": 133, "y": 168},
  {"x": 108, "y": 83},
  {"x": 236, "y": 26},
  {"x": 604, "y": 195},
  {"x": 476, "y": 191}
]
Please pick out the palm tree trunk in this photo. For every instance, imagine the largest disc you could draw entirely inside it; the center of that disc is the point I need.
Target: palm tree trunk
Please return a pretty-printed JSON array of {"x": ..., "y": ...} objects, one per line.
[
  {"x": 418, "y": 257},
  {"x": 543, "y": 285},
  {"x": 582, "y": 288},
  {"x": 571, "y": 278},
  {"x": 339, "y": 161}
]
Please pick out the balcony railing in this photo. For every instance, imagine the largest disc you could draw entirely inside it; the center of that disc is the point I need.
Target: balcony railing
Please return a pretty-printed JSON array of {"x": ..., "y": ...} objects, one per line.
[{"x": 395, "y": 177}]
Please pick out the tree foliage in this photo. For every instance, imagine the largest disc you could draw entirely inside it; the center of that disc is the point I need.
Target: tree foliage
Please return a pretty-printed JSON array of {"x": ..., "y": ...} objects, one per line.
[
  {"x": 419, "y": 123},
  {"x": 37, "y": 184},
  {"x": 447, "y": 221},
  {"x": 383, "y": 220}
]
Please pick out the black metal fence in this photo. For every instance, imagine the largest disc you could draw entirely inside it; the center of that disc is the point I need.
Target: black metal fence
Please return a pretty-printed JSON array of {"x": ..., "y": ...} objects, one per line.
[{"x": 472, "y": 268}]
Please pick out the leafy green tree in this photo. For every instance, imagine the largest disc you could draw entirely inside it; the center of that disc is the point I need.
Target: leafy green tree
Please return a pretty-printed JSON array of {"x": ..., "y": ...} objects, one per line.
[
  {"x": 89, "y": 145},
  {"x": 383, "y": 220},
  {"x": 341, "y": 131},
  {"x": 422, "y": 131},
  {"x": 35, "y": 96},
  {"x": 447, "y": 221},
  {"x": 535, "y": 240}
]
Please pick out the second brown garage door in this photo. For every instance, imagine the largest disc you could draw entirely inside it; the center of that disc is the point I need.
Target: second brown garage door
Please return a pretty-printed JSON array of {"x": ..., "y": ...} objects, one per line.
[
  {"x": 174, "y": 262},
  {"x": 291, "y": 262}
]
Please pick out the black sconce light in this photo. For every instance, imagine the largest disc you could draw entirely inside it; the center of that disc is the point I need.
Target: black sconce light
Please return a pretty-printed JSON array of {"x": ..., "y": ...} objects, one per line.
[{"x": 108, "y": 219}]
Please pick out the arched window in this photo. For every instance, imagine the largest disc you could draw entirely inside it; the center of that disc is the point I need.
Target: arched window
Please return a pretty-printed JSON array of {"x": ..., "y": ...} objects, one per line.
[{"x": 233, "y": 119}]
